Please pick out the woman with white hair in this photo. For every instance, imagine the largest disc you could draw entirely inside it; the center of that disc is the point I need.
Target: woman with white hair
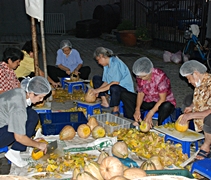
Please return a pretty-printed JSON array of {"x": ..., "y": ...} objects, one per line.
[
  {"x": 17, "y": 124},
  {"x": 154, "y": 93},
  {"x": 68, "y": 61},
  {"x": 116, "y": 79},
  {"x": 199, "y": 110}
]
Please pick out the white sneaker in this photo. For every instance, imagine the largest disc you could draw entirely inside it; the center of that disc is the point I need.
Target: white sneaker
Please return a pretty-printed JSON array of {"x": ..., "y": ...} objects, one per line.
[{"x": 14, "y": 157}]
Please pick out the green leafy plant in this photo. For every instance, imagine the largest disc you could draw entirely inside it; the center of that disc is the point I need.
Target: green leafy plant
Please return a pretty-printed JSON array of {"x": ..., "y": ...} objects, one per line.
[
  {"x": 142, "y": 33},
  {"x": 125, "y": 25}
]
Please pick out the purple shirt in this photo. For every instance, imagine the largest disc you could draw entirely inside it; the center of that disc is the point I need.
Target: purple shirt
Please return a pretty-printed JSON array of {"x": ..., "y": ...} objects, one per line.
[
  {"x": 71, "y": 62},
  {"x": 159, "y": 83}
]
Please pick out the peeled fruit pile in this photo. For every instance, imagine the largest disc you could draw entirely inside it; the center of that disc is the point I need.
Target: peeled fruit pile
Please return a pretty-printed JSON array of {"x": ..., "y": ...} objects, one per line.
[
  {"x": 144, "y": 126},
  {"x": 169, "y": 125},
  {"x": 181, "y": 127},
  {"x": 67, "y": 133},
  {"x": 149, "y": 144},
  {"x": 98, "y": 132},
  {"x": 134, "y": 173},
  {"x": 120, "y": 149},
  {"x": 90, "y": 97},
  {"x": 62, "y": 95},
  {"x": 111, "y": 123},
  {"x": 92, "y": 122},
  {"x": 84, "y": 131},
  {"x": 111, "y": 167},
  {"x": 61, "y": 164}
]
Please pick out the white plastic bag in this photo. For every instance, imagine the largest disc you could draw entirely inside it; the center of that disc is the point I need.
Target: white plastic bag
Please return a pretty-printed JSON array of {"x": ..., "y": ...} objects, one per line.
[
  {"x": 186, "y": 57},
  {"x": 176, "y": 57},
  {"x": 167, "y": 56}
]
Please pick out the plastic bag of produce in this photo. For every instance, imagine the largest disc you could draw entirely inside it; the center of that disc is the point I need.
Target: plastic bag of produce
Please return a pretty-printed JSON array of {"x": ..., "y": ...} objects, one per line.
[
  {"x": 167, "y": 56},
  {"x": 176, "y": 57}
]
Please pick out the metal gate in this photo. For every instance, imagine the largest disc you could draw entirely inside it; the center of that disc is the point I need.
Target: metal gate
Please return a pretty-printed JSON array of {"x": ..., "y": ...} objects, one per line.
[
  {"x": 167, "y": 19},
  {"x": 54, "y": 23}
]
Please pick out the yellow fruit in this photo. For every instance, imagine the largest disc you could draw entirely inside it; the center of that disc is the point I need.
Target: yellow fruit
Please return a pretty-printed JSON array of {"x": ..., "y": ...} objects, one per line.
[
  {"x": 120, "y": 149},
  {"x": 144, "y": 126},
  {"x": 181, "y": 127},
  {"x": 90, "y": 97},
  {"x": 92, "y": 122},
  {"x": 84, "y": 131},
  {"x": 74, "y": 77},
  {"x": 67, "y": 133},
  {"x": 98, "y": 132},
  {"x": 36, "y": 153},
  {"x": 91, "y": 83}
]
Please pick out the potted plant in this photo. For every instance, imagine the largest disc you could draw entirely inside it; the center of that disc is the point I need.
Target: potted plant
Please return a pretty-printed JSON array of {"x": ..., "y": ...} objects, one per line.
[
  {"x": 143, "y": 36},
  {"x": 126, "y": 33}
]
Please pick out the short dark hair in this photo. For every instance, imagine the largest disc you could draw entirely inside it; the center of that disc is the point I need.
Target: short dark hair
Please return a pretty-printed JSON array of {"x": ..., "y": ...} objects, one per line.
[
  {"x": 12, "y": 53},
  {"x": 28, "y": 47}
]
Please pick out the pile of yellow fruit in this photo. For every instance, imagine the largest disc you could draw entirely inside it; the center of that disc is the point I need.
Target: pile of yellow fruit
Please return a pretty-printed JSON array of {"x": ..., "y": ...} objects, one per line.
[
  {"x": 62, "y": 95},
  {"x": 111, "y": 123},
  {"x": 169, "y": 125},
  {"x": 148, "y": 144},
  {"x": 62, "y": 164}
]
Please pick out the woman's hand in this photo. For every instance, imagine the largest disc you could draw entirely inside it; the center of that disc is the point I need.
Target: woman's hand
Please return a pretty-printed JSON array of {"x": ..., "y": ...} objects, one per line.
[
  {"x": 93, "y": 92},
  {"x": 68, "y": 72},
  {"x": 76, "y": 72},
  {"x": 149, "y": 121},
  {"x": 56, "y": 84},
  {"x": 188, "y": 109},
  {"x": 185, "y": 118},
  {"x": 137, "y": 116},
  {"x": 148, "y": 118},
  {"x": 41, "y": 145}
]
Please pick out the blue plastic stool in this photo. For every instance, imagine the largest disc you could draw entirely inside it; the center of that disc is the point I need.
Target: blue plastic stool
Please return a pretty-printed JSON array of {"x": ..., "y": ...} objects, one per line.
[
  {"x": 89, "y": 107},
  {"x": 62, "y": 81},
  {"x": 5, "y": 149},
  {"x": 121, "y": 108},
  {"x": 155, "y": 116},
  {"x": 185, "y": 144},
  {"x": 202, "y": 167},
  {"x": 72, "y": 85}
]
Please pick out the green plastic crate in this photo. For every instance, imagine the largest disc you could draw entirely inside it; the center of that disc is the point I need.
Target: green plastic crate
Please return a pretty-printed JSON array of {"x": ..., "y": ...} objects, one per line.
[{"x": 177, "y": 172}]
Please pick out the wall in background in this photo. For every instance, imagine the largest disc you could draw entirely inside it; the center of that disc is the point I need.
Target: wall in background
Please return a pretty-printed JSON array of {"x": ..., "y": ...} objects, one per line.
[{"x": 15, "y": 21}]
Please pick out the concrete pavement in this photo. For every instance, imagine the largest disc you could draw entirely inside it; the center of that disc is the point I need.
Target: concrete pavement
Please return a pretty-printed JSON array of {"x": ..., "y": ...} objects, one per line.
[{"x": 86, "y": 48}]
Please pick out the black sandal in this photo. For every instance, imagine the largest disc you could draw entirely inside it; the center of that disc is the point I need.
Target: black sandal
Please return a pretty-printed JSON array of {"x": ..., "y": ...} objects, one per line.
[
  {"x": 116, "y": 113},
  {"x": 203, "y": 154}
]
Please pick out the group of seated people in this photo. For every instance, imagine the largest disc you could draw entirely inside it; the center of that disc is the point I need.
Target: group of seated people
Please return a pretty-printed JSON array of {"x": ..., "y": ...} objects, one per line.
[{"x": 153, "y": 91}]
